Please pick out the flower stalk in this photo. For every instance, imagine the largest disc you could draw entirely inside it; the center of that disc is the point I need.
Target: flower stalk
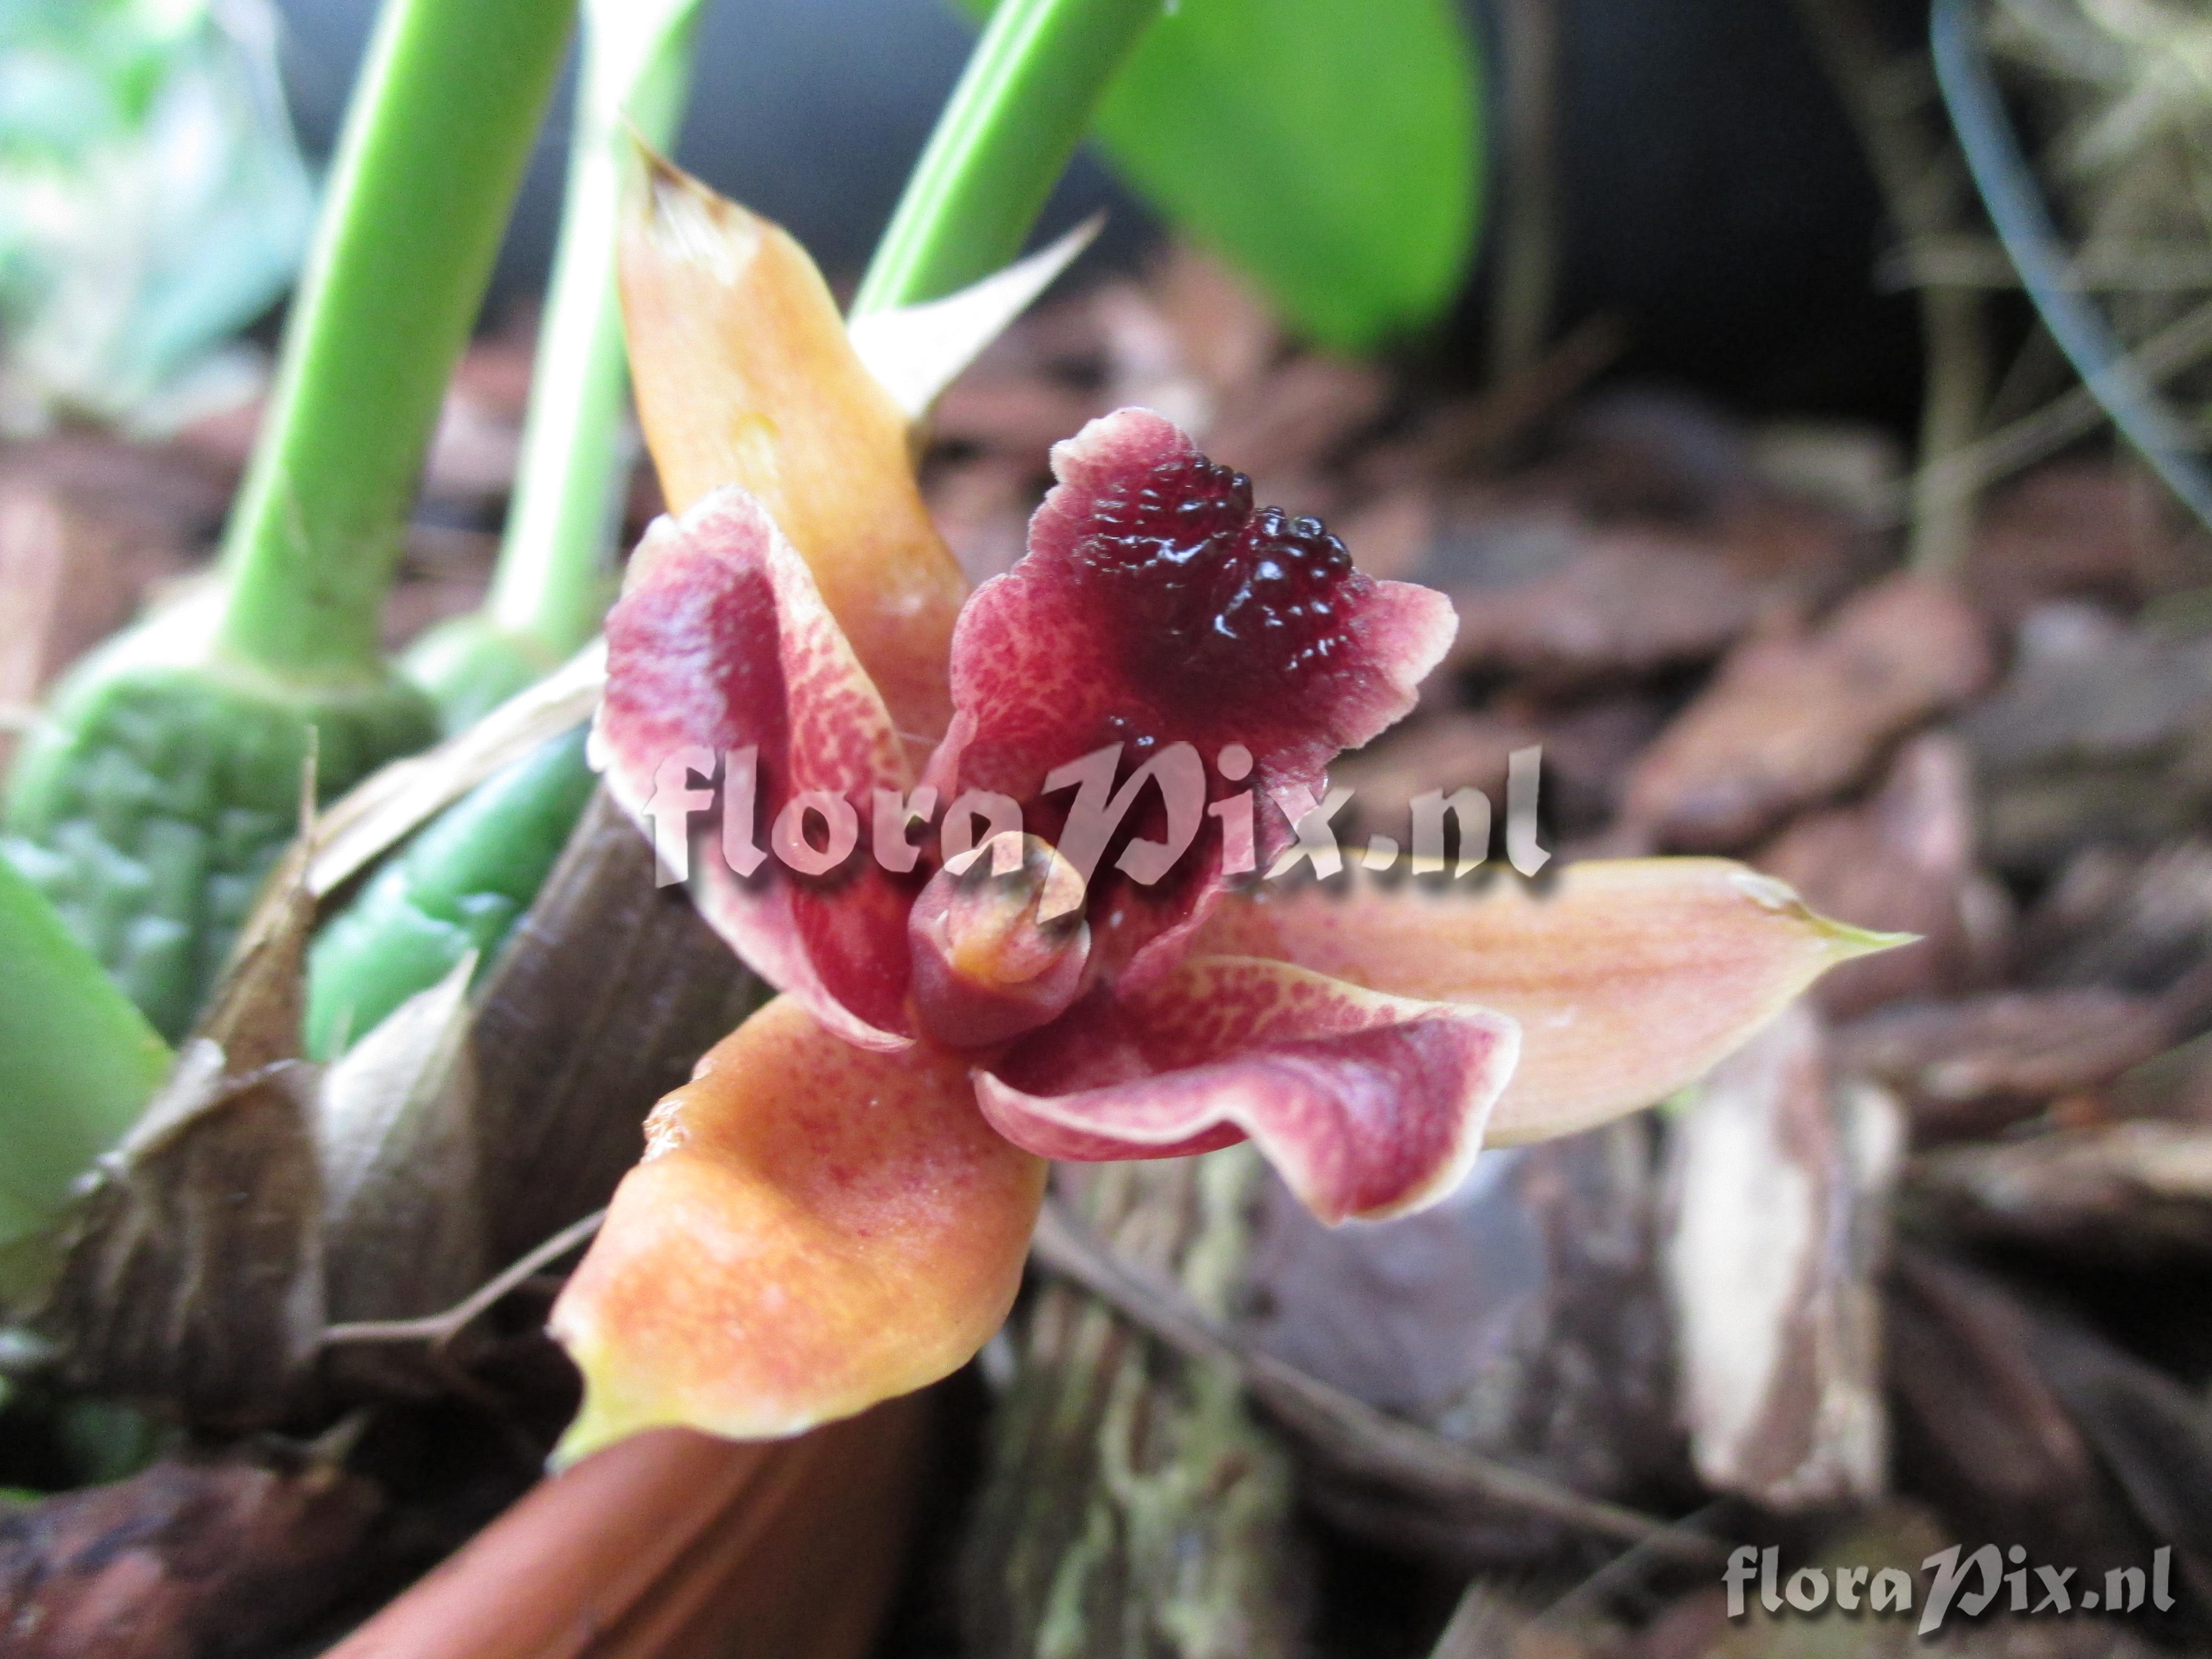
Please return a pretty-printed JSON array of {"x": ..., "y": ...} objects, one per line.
[
  {"x": 550, "y": 588},
  {"x": 154, "y": 800},
  {"x": 434, "y": 149},
  {"x": 1020, "y": 109}
]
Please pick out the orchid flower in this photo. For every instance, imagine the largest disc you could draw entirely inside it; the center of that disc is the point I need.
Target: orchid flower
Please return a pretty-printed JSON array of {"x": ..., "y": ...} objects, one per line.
[{"x": 837, "y": 1208}]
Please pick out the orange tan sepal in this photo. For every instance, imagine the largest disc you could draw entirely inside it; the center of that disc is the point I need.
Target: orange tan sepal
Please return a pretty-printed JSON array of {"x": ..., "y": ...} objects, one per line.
[
  {"x": 1629, "y": 977},
  {"x": 814, "y": 1228},
  {"x": 745, "y": 376}
]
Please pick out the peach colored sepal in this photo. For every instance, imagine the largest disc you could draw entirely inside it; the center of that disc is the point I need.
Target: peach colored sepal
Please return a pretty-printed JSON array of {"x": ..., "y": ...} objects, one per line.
[
  {"x": 745, "y": 376},
  {"x": 1629, "y": 977},
  {"x": 673, "y": 1545},
  {"x": 815, "y": 1227}
]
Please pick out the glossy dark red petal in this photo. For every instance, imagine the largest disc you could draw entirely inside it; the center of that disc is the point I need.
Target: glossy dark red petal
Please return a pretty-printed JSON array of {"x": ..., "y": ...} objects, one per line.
[{"x": 1156, "y": 606}]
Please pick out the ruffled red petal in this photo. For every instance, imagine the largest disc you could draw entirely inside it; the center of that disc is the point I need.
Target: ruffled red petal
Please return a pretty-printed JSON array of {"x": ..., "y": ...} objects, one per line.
[
  {"x": 1368, "y": 1105},
  {"x": 721, "y": 643}
]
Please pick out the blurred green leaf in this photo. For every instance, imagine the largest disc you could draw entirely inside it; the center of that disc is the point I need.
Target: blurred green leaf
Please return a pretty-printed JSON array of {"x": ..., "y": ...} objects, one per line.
[
  {"x": 1331, "y": 150},
  {"x": 77, "y": 1062},
  {"x": 151, "y": 199}
]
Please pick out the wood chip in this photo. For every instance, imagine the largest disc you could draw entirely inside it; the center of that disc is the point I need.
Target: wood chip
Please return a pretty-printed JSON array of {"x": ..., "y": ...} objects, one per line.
[
  {"x": 1780, "y": 1188},
  {"x": 183, "y": 1561},
  {"x": 1131, "y": 1497},
  {"x": 2135, "y": 1194},
  {"x": 1523, "y": 1318},
  {"x": 2098, "y": 735},
  {"x": 1626, "y": 604},
  {"x": 1981, "y": 1433},
  {"x": 2137, "y": 921},
  {"x": 1794, "y": 720},
  {"x": 1973, "y": 1066},
  {"x": 2077, "y": 530},
  {"x": 1357, "y": 1442},
  {"x": 61, "y": 588}
]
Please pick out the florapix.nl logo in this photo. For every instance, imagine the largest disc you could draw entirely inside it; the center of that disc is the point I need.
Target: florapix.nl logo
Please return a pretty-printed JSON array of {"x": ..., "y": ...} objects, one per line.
[
  {"x": 1993, "y": 1577},
  {"x": 818, "y": 832}
]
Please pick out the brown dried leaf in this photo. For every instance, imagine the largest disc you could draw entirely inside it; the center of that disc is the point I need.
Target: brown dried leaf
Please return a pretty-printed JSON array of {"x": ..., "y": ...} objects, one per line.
[
  {"x": 403, "y": 1223},
  {"x": 254, "y": 1016},
  {"x": 1794, "y": 720},
  {"x": 182, "y": 1561},
  {"x": 1781, "y": 1186},
  {"x": 194, "y": 1276},
  {"x": 607, "y": 992},
  {"x": 191, "y": 1273}
]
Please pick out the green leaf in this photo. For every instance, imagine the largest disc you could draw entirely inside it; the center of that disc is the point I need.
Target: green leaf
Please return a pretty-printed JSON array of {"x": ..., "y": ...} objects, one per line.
[
  {"x": 77, "y": 1062},
  {"x": 1330, "y": 149}
]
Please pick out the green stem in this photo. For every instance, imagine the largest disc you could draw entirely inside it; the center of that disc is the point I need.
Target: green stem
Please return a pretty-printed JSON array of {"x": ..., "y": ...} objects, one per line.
[
  {"x": 548, "y": 584},
  {"x": 77, "y": 1061},
  {"x": 1020, "y": 109},
  {"x": 434, "y": 149}
]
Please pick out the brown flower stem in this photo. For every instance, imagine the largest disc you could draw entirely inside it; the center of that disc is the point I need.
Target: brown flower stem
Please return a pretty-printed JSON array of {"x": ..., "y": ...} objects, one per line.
[{"x": 1529, "y": 220}]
